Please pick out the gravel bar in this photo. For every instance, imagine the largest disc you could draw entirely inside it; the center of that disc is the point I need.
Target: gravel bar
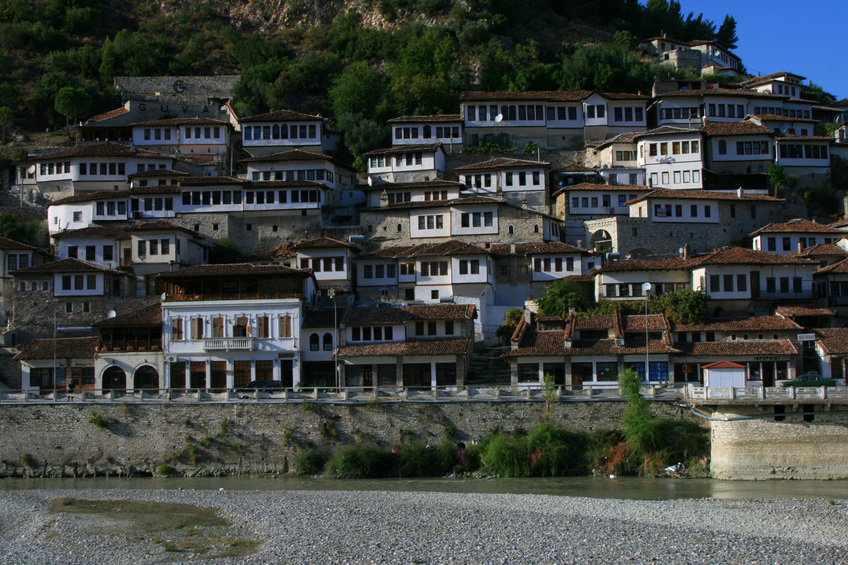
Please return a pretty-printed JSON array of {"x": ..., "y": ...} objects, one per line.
[{"x": 339, "y": 527}]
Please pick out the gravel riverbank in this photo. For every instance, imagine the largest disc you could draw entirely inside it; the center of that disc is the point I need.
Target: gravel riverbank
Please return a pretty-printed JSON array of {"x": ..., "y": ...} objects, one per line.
[{"x": 408, "y": 527}]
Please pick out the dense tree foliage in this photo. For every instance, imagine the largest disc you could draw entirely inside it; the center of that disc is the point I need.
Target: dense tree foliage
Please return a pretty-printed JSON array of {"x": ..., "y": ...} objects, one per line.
[{"x": 339, "y": 68}]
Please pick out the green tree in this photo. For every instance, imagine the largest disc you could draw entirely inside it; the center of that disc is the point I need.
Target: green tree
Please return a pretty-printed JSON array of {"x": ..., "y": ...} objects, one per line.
[
  {"x": 561, "y": 296},
  {"x": 726, "y": 34},
  {"x": 641, "y": 428},
  {"x": 777, "y": 177},
  {"x": 682, "y": 306},
  {"x": 361, "y": 135},
  {"x": 359, "y": 90},
  {"x": 73, "y": 103},
  {"x": 7, "y": 120},
  {"x": 511, "y": 319}
]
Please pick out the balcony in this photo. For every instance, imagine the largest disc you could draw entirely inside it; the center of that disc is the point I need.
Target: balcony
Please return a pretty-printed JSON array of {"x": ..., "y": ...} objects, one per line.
[{"x": 228, "y": 344}]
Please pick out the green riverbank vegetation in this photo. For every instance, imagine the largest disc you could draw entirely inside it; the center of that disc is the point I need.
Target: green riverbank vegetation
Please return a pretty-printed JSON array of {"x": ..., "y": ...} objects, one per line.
[{"x": 644, "y": 445}]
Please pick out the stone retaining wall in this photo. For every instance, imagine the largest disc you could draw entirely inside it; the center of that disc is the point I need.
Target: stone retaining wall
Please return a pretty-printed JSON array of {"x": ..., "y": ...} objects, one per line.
[{"x": 251, "y": 437}]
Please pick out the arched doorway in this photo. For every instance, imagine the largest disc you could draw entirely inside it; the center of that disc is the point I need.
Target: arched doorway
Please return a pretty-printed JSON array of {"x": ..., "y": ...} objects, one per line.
[
  {"x": 114, "y": 378},
  {"x": 146, "y": 377},
  {"x": 601, "y": 241}
]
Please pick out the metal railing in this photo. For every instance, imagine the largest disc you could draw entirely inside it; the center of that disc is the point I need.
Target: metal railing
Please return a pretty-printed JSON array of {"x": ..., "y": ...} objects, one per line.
[
  {"x": 749, "y": 394},
  {"x": 360, "y": 395}
]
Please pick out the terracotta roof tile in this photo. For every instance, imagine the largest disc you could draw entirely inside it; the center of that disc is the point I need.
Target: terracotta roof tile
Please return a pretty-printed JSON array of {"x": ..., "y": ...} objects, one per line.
[
  {"x": 599, "y": 187},
  {"x": 752, "y": 324},
  {"x": 575, "y": 168},
  {"x": 684, "y": 194},
  {"x": 776, "y": 118},
  {"x": 545, "y": 248},
  {"x": 739, "y": 348},
  {"x": 65, "y": 348},
  {"x": 233, "y": 269},
  {"x": 426, "y": 119},
  {"x": 7, "y": 244},
  {"x": 503, "y": 163},
  {"x": 106, "y": 116},
  {"x": 723, "y": 365},
  {"x": 92, "y": 196},
  {"x": 65, "y": 266},
  {"x": 839, "y": 267},
  {"x": 821, "y": 250},
  {"x": 158, "y": 173},
  {"x": 105, "y": 149},
  {"x": 736, "y": 128},
  {"x": 397, "y": 315},
  {"x": 742, "y": 256},
  {"x": 404, "y": 149},
  {"x": 833, "y": 341},
  {"x": 459, "y": 346},
  {"x": 148, "y": 316},
  {"x": 793, "y": 311},
  {"x": 636, "y": 323},
  {"x": 797, "y": 225},
  {"x": 183, "y": 121},
  {"x": 429, "y": 184},
  {"x": 541, "y": 96},
  {"x": 123, "y": 230},
  {"x": 722, "y": 92},
  {"x": 322, "y": 243},
  {"x": 326, "y": 318},
  {"x": 295, "y": 155},
  {"x": 281, "y": 116},
  {"x": 552, "y": 343},
  {"x": 647, "y": 264}
]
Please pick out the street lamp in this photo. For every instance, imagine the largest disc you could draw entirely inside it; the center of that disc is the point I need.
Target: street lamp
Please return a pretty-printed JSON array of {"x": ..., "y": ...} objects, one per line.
[
  {"x": 646, "y": 289},
  {"x": 53, "y": 305}
]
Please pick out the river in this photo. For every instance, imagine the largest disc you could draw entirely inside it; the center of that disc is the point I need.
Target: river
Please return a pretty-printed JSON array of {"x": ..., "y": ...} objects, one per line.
[{"x": 632, "y": 488}]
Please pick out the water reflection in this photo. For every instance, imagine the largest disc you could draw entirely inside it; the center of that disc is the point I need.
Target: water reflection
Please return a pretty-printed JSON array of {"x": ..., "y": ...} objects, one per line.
[{"x": 593, "y": 487}]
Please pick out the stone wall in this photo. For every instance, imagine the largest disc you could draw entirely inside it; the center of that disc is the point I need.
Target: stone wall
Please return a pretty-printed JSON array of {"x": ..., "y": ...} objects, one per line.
[
  {"x": 763, "y": 448},
  {"x": 249, "y": 437}
]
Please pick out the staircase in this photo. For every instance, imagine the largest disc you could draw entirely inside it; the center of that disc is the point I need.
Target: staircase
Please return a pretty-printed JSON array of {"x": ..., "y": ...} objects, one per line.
[{"x": 488, "y": 368}]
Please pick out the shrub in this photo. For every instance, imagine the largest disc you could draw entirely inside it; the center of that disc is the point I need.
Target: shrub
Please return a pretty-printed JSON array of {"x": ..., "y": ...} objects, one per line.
[
  {"x": 418, "y": 459},
  {"x": 306, "y": 462},
  {"x": 98, "y": 421},
  {"x": 360, "y": 461},
  {"x": 165, "y": 471}
]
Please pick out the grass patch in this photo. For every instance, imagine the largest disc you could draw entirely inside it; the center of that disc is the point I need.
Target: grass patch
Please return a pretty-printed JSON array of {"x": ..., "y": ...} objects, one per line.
[
  {"x": 145, "y": 516},
  {"x": 98, "y": 421},
  {"x": 360, "y": 461}
]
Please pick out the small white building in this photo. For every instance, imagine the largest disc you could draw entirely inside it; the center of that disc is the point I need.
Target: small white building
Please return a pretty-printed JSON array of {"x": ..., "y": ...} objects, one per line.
[
  {"x": 415, "y": 130},
  {"x": 724, "y": 374}
]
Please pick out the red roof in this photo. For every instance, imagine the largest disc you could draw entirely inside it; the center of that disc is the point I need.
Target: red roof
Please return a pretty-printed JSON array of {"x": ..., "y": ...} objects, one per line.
[{"x": 723, "y": 365}]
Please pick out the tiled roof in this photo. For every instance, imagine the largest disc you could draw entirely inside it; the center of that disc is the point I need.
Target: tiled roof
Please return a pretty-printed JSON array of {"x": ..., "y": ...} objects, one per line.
[
  {"x": 684, "y": 194},
  {"x": 545, "y": 248},
  {"x": 157, "y": 174},
  {"x": 281, "y": 116},
  {"x": 204, "y": 181},
  {"x": 326, "y": 318},
  {"x": 786, "y": 137},
  {"x": 588, "y": 186},
  {"x": 123, "y": 230},
  {"x": 503, "y": 163},
  {"x": 65, "y": 266},
  {"x": 155, "y": 189},
  {"x": 552, "y": 343},
  {"x": 148, "y": 316},
  {"x": 722, "y": 92},
  {"x": 450, "y": 248},
  {"x": 183, "y": 121},
  {"x": 105, "y": 149},
  {"x": 839, "y": 267},
  {"x": 776, "y": 118},
  {"x": 821, "y": 250},
  {"x": 426, "y": 184},
  {"x": 92, "y": 196},
  {"x": 647, "y": 264},
  {"x": 322, "y": 243},
  {"x": 723, "y": 365},
  {"x": 65, "y": 348},
  {"x": 106, "y": 116},
  {"x": 295, "y": 155},
  {"x": 834, "y": 341},
  {"x": 636, "y": 323},
  {"x": 665, "y": 130},
  {"x": 840, "y": 224},
  {"x": 797, "y": 225},
  {"x": 7, "y": 244},
  {"x": 793, "y": 311},
  {"x": 752, "y": 324},
  {"x": 404, "y": 149},
  {"x": 736, "y": 128},
  {"x": 396, "y": 315},
  {"x": 232, "y": 270},
  {"x": 742, "y": 256},
  {"x": 541, "y": 96},
  {"x": 738, "y": 348},
  {"x": 426, "y": 119},
  {"x": 458, "y": 346},
  {"x": 575, "y": 168}
]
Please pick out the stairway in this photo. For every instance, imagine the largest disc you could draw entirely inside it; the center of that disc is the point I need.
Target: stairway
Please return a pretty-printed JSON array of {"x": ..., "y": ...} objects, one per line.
[{"x": 488, "y": 368}]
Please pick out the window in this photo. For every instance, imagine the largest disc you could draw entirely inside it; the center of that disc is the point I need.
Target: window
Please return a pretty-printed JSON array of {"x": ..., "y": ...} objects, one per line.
[
  {"x": 327, "y": 342},
  {"x": 197, "y": 328},
  {"x": 285, "y": 326},
  {"x": 177, "y": 329},
  {"x": 314, "y": 344},
  {"x": 217, "y": 326}
]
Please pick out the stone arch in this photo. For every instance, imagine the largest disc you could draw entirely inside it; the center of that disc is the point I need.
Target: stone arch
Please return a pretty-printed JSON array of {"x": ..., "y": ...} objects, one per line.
[
  {"x": 601, "y": 241},
  {"x": 146, "y": 377},
  {"x": 114, "y": 378}
]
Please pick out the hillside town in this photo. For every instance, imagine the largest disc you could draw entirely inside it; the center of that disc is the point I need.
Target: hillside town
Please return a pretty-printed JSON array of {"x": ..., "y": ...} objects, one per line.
[{"x": 402, "y": 275}]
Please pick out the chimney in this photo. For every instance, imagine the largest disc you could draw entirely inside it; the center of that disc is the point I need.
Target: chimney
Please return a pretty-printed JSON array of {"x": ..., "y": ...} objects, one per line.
[
  {"x": 512, "y": 249},
  {"x": 800, "y": 247},
  {"x": 528, "y": 316},
  {"x": 384, "y": 198},
  {"x": 687, "y": 251},
  {"x": 580, "y": 243},
  {"x": 845, "y": 208},
  {"x": 740, "y": 192},
  {"x": 607, "y": 181}
]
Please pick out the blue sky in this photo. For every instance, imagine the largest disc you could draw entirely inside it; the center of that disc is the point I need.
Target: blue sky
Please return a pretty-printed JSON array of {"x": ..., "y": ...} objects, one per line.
[{"x": 787, "y": 35}]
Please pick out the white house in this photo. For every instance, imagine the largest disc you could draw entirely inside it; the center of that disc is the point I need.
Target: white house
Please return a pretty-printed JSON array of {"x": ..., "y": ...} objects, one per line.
[
  {"x": 623, "y": 280},
  {"x": 424, "y": 191},
  {"x": 738, "y": 147},
  {"x": 228, "y": 325},
  {"x": 332, "y": 262},
  {"x": 441, "y": 128},
  {"x": 275, "y": 132},
  {"x": 518, "y": 181},
  {"x": 201, "y": 136},
  {"x": 406, "y": 163},
  {"x": 13, "y": 256},
  {"x": 793, "y": 236},
  {"x": 671, "y": 157}
]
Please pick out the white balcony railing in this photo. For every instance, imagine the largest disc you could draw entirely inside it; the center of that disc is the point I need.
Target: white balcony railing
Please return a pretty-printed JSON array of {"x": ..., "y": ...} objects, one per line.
[{"x": 228, "y": 344}]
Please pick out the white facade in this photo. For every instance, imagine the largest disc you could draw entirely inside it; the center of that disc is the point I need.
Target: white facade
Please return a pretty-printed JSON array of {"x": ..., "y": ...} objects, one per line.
[
  {"x": 420, "y": 129},
  {"x": 672, "y": 160}
]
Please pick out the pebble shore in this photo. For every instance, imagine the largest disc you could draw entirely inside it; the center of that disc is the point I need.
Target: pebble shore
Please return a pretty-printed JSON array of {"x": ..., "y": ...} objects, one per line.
[{"x": 342, "y": 527}]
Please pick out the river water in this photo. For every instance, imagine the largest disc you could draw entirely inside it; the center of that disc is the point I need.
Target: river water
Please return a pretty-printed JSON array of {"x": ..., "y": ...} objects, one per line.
[{"x": 593, "y": 487}]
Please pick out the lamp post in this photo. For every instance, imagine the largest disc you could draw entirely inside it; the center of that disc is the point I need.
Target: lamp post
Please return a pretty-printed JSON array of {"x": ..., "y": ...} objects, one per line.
[
  {"x": 53, "y": 305},
  {"x": 646, "y": 289},
  {"x": 336, "y": 345}
]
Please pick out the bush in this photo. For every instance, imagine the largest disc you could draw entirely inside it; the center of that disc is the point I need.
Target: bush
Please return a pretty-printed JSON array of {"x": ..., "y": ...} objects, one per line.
[
  {"x": 361, "y": 461},
  {"x": 306, "y": 462},
  {"x": 165, "y": 471},
  {"x": 98, "y": 421},
  {"x": 418, "y": 459},
  {"x": 547, "y": 451}
]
